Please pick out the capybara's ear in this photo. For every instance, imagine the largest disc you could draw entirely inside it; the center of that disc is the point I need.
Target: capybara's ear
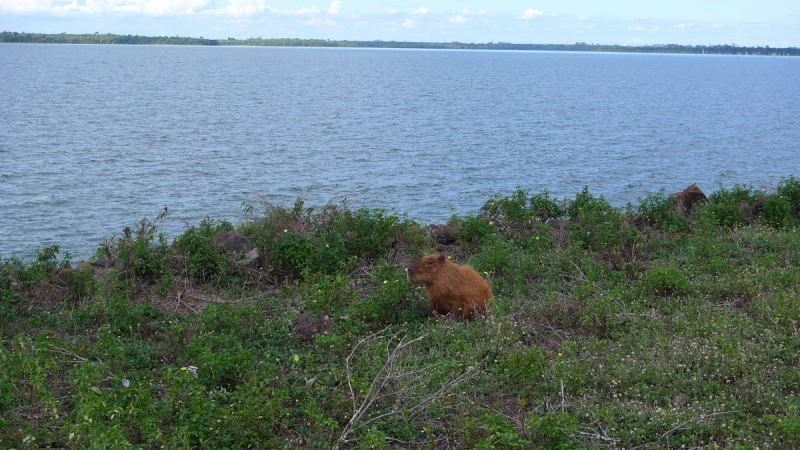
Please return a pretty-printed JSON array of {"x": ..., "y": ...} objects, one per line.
[{"x": 442, "y": 258}]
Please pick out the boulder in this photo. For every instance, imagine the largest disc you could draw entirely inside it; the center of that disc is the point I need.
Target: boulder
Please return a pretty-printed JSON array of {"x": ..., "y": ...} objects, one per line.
[
  {"x": 760, "y": 203},
  {"x": 689, "y": 197},
  {"x": 233, "y": 241},
  {"x": 307, "y": 326},
  {"x": 443, "y": 234},
  {"x": 558, "y": 224},
  {"x": 747, "y": 210},
  {"x": 105, "y": 263}
]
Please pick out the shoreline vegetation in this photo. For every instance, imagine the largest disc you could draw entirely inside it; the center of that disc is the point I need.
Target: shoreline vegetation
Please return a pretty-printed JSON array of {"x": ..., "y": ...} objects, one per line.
[
  {"x": 671, "y": 323},
  {"x": 96, "y": 38}
]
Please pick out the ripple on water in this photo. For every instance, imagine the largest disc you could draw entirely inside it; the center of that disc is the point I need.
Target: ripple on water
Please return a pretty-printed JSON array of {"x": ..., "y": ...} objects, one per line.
[{"x": 426, "y": 133}]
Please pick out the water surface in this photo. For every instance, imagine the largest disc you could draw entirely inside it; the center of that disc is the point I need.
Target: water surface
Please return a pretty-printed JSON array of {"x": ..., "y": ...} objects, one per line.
[{"x": 93, "y": 138}]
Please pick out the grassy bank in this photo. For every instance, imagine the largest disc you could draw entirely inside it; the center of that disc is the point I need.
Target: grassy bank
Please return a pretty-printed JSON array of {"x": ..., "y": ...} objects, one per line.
[{"x": 674, "y": 323}]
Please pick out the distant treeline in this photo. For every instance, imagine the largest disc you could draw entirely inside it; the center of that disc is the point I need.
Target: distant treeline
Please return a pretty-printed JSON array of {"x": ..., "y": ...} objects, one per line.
[
  {"x": 64, "y": 38},
  {"x": 727, "y": 49}
]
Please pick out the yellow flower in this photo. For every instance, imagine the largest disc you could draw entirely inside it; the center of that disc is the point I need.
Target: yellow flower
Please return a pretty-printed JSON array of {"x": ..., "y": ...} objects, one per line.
[
  {"x": 285, "y": 231},
  {"x": 296, "y": 358}
]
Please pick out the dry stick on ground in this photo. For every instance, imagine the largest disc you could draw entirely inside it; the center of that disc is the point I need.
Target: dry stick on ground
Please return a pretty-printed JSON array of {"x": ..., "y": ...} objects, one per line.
[
  {"x": 385, "y": 378},
  {"x": 678, "y": 427}
]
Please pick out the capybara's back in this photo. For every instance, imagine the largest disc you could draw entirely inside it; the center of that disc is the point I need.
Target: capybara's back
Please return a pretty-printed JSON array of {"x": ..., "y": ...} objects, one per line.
[{"x": 451, "y": 288}]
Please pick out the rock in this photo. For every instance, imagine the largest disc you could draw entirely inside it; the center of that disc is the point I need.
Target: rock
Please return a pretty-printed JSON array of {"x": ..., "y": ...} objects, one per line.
[
  {"x": 689, "y": 197},
  {"x": 639, "y": 222},
  {"x": 443, "y": 234},
  {"x": 105, "y": 263},
  {"x": 233, "y": 241},
  {"x": 308, "y": 326},
  {"x": 760, "y": 203},
  {"x": 558, "y": 224},
  {"x": 83, "y": 265},
  {"x": 747, "y": 210}
]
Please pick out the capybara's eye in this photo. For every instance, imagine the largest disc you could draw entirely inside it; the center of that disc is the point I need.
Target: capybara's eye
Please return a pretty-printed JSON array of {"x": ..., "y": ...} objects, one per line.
[{"x": 430, "y": 263}]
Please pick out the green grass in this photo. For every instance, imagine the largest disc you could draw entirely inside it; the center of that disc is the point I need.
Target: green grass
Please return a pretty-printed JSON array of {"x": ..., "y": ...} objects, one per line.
[{"x": 684, "y": 334}]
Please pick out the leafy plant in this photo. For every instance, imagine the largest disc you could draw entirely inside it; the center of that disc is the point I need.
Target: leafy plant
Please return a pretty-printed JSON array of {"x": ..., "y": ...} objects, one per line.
[
  {"x": 776, "y": 211},
  {"x": 205, "y": 261},
  {"x": 789, "y": 188}
]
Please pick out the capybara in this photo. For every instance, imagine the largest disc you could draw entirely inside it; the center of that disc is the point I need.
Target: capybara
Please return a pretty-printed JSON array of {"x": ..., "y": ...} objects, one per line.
[{"x": 452, "y": 288}]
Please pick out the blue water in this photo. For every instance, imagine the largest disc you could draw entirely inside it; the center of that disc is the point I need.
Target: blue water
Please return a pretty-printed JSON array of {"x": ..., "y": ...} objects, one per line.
[{"x": 93, "y": 138}]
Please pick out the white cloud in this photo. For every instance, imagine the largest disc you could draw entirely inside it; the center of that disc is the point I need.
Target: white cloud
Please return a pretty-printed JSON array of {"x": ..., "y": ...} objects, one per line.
[
  {"x": 25, "y": 5},
  {"x": 243, "y": 7},
  {"x": 636, "y": 28},
  {"x": 318, "y": 22},
  {"x": 393, "y": 11},
  {"x": 148, "y": 7},
  {"x": 422, "y": 10},
  {"x": 334, "y": 8},
  {"x": 686, "y": 25},
  {"x": 458, "y": 19},
  {"x": 531, "y": 14},
  {"x": 303, "y": 11},
  {"x": 716, "y": 25},
  {"x": 410, "y": 23},
  {"x": 582, "y": 18}
]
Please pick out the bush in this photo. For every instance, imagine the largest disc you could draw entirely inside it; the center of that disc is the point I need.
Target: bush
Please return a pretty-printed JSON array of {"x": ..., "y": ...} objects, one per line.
[
  {"x": 472, "y": 231},
  {"x": 522, "y": 207},
  {"x": 776, "y": 211},
  {"x": 661, "y": 210},
  {"x": 596, "y": 225},
  {"x": 332, "y": 240},
  {"x": 734, "y": 195},
  {"x": 143, "y": 253},
  {"x": 205, "y": 261},
  {"x": 723, "y": 215},
  {"x": 789, "y": 188},
  {"x": 665, "y": 282}
]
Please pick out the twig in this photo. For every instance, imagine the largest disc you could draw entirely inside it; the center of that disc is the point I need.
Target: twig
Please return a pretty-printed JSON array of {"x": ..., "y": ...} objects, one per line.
[
  {"x": 63, "y": 351},
  {"x": 386, "y": 377},
  {"x": 680, "y": 425},
  {"x": 704, "y": 416}
]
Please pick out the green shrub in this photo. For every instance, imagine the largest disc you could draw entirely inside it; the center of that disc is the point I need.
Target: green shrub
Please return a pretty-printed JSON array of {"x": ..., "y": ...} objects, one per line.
[
  {"x": 789, "y": 188},
  {"x": 665, "y": 282},
  {"x": 323, "y": 293},
  {"x": 143, "y": 253},
  {"x": 332, "y": 240},
  {"x": 661, "y": 210},
  {"x": 734, "y": 195},
  {"x": 521, "y": 207},
  {"x": 776, "y": 211},
  {"x": 722, "y": 215},
  {"x": 472, "y": 231},
  {"x": 205, "y": 260},
  {"x": 596, "y": 225},
  {"x": 385, "y": 305}
]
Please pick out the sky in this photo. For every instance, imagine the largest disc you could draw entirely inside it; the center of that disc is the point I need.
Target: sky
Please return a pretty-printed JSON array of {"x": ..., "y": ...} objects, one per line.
[{"x": 774, "y": 23}]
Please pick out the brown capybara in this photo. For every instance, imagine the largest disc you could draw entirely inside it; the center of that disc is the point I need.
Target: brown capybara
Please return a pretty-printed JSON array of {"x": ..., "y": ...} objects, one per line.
[{"x": 452, "y": 288}]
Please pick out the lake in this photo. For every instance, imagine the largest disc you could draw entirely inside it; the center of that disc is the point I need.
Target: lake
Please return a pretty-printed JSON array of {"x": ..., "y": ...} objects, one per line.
[{"x": 93, "y": 138}]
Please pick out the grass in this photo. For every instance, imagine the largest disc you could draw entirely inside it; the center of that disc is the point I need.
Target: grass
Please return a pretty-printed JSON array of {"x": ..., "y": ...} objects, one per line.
[{"x": 683, "y": 332}]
